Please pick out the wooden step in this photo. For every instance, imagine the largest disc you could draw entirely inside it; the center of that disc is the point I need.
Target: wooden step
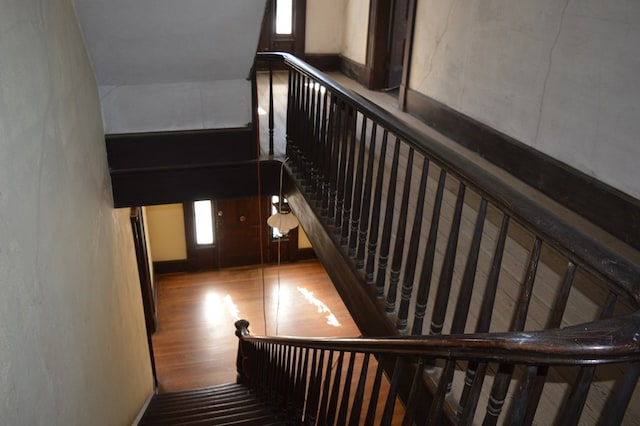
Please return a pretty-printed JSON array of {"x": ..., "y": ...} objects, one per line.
[{"x": 221, "y": 405}]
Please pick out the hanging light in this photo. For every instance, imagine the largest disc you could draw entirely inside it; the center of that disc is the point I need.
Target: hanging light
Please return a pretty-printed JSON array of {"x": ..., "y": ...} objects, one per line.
[{"x": 283, "y": 221}]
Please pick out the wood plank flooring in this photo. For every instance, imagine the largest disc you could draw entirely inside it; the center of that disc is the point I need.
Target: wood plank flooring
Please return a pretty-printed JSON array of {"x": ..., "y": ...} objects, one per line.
[{"x": 195, "y": 345}]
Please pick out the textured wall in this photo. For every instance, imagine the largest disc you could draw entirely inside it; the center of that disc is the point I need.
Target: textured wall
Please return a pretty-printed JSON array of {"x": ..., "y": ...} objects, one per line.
[
  {"x": 356, "y": 27},
  {"x": 558, "y": 75},
  {"x": 73, "y": 349},
  {"x": 324, "y": 26}
]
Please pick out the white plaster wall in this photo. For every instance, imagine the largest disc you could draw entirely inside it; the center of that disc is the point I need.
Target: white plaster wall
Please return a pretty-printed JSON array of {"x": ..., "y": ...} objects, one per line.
[
  {"x": 324, "y": 26},
  {"x": 558, "y": 75},
  {"x": 356, "y": 27},
  {"x": 172, "y": 65},
  {"x": 73, "y": 348}
]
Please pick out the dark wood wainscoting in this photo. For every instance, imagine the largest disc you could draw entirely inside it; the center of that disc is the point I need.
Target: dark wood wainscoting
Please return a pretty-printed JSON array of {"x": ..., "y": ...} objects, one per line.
[{"x": 603, "y": 205}]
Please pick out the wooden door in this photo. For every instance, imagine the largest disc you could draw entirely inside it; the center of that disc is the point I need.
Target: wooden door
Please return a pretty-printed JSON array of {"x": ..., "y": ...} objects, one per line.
[{"x": 240, "y": 234}]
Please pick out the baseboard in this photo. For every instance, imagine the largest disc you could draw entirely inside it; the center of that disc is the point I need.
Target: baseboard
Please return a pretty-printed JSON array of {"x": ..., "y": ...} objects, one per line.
[
  {"x": 355, "y": 71},
  {"x": 323, "y": 62},
  {"x": 306, "y": 254},
  {"x": 143, "y": 409},
  {"x": 603, "y": 205},
  {"x": 171, "y": 266}
]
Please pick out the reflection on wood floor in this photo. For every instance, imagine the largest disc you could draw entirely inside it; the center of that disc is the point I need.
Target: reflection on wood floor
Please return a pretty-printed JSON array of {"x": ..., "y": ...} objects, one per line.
[{"x": 195, "y": 345}]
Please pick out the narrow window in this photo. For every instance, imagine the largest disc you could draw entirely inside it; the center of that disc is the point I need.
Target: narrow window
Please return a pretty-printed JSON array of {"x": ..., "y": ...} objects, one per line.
[
  {"x": 284, "y": 16},
  {"x": 203, "y": 222}
]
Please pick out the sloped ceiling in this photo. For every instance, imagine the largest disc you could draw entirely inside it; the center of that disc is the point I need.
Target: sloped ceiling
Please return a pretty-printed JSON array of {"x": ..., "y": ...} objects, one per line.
[
  {"x": 166, "y": 65},
  {"x": 134, "y": 42}
]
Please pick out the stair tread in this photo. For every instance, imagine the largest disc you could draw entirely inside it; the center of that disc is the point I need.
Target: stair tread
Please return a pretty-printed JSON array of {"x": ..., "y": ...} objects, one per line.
[{"x": 232, "y": 405}]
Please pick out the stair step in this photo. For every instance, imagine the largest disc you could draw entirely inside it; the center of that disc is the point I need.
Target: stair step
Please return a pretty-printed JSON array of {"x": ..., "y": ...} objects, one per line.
[{"x": 231, "y": 404}]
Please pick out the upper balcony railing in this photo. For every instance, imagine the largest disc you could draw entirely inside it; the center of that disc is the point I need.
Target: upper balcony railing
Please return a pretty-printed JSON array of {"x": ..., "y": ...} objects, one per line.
[{"x": 484, "y": 277}]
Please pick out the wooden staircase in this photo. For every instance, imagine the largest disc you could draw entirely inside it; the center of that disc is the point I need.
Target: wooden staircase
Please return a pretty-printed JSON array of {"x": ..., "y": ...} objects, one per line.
[{"x": 231, "y": 404}]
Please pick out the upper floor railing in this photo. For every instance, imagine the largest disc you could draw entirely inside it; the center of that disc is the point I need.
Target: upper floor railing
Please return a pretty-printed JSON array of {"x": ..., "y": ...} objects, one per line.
[{"x": 452, "y": 252}]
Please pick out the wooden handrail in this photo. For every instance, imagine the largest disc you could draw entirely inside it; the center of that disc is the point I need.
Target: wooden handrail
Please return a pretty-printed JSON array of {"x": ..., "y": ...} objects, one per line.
[
  {"x": 577, "y": 246},
  {"x": 599, "y": 342}
]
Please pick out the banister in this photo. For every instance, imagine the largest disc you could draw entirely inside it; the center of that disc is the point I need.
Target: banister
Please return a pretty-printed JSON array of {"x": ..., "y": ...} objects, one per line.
[
  {"x": 619, "y": 272},
  {"x": 598, "y": 342}
]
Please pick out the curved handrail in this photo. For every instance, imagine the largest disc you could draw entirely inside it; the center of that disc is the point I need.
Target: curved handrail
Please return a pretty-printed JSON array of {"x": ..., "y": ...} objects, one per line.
[
  {"x": 618, "y": 271},
  {"x": 599, "y": 342}
]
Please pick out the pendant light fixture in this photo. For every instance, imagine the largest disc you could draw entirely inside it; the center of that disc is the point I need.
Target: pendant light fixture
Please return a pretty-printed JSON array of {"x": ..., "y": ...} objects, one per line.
[{"x": 283, "y": 220}]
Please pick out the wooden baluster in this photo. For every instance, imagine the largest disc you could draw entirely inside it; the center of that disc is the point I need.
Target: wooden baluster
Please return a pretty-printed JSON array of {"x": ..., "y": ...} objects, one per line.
[
  {"x": 335, "y": 391},
  {"x": 427, "y": 261},
  {"x": 385, "y": 242},
  {"x": 290, "y": 104},
  {"x": 358, "y": 190},
  {"x": 346, "y": 391},
  {"x": 412, "y": 255},
  {"x": 444, "y": 386},
  {"x": 349, "y": 190},
  {"x": 375, "y": 393},
  {"x": 469, "y": 275},
  {"x": 315, "y": 145},
  {"x": 309, "y": 412},
  {"x": 461, "y": 313},
  {"x": 301, "y": 385},
  {"x": 446, "y": 274},
  {"x": 315, "y": 389},
  {"x": 292, "y": 383},
  {"x": 271, "y": 120},
  {"x": 294, "y": 121},
  {"x": 618, "y": 401},
  {"x": 401, "y": 229},
  {"x": 505, "y": 372},
  {"x": 570, "y": 413},
  {"x": 532, "y": 396},
  {"x": 335, "y": 160},
  {"x": 328, "y": 148},
  {"x": 321, "y": 151},
  {"x": 372, "y": 243},
  {"x": 345, "y": 138},
  {"x": 366, "y": 200},
  {"x": 475, "y": 372},
  {"x": 389, "y": 406},
  {"x": 322, "y": 414},
  {"x": 356, "y": 409},
  {"x": 412, "y": 399}
]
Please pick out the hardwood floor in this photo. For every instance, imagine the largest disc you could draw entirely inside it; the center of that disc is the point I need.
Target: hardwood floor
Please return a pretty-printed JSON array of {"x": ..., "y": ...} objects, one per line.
[{"x": 195, "y": 345}]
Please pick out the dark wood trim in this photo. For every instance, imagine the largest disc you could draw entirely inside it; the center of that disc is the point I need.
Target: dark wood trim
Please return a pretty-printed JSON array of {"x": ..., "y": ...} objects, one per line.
[
  {"x": 306, "y": 254},
  {"x": 377, "y": 42},
  {"x": 605, "y": 206},
  {"x": 171, "y": 266},
  {"x": 354, "y": 70},
  {"x": 180, "y": 148},
  {"x": 144, "y": 187},
  {"x": 408, "y": 54},
  {"x": 300, "y": 19},
  {"x": 323, "y": 61},
  {"x": 146, "y": 283}
]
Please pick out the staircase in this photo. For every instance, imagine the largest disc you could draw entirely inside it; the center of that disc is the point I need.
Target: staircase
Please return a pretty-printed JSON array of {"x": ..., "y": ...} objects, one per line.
[{"x": 231, "y": 404}]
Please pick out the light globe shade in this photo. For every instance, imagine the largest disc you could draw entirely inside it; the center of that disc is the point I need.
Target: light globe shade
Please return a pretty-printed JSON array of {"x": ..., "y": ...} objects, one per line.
[{"x": 284, "y": 222}]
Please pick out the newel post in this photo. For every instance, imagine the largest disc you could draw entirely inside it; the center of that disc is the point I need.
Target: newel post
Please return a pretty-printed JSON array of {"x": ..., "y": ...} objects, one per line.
[{"x": 242, "y": 330}]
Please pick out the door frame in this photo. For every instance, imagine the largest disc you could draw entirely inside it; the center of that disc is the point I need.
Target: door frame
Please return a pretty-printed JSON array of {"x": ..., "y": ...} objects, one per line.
[{"x": 268, "y": 37}]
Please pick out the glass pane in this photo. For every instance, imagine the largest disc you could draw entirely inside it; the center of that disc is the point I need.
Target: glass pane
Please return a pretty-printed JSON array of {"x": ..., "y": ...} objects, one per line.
[
  {"x": 284, "y": 16},
  {"x": 204, "y": 222}
]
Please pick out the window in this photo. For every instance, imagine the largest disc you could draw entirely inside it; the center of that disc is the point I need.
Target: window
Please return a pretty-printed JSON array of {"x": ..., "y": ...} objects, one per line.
[
  {"x": 203, "y": 222},
  {"x": 284, "y": 16}
]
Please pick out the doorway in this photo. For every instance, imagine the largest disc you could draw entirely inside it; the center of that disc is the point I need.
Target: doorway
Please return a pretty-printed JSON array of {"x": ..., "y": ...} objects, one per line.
[{"x": 283, "y": 27}]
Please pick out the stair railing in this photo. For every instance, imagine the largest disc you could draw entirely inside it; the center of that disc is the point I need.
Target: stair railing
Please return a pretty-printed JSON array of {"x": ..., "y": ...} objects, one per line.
[{"x": 447, "y": 250}]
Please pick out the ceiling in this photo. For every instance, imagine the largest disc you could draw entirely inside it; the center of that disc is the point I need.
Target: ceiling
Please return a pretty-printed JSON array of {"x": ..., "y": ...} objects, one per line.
[{"x": 134, "y": 42}]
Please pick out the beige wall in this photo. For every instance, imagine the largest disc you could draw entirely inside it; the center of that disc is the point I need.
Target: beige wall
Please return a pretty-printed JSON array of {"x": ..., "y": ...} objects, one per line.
[
  {"x": 356, "y": 27},
  {"x": 303, "y": 240},
  {"x": 73, "y": 347},
  {"x": 166, "y": 232},
  {"x": 559, "y": 76},
  {"x": 324, "y": 26}
]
